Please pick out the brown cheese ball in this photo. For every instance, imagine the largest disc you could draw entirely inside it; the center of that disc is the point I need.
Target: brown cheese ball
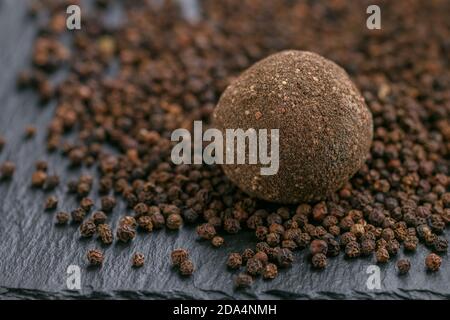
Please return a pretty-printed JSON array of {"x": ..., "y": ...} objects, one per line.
[{"x": 324, "y": 125}]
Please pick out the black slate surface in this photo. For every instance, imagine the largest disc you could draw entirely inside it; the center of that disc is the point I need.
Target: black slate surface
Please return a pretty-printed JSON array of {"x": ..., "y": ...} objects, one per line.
[{"x": 35, "y": 254}]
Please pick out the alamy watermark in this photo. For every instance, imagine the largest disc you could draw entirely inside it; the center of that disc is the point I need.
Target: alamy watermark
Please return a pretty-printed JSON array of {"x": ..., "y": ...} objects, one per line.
[
  {"x": 73, "y": 281},
  {"x": 231, "y": 151},
  {"x": 73, "y": 21},
  {"x": 374, "y": 20},
  {"x": 374, "y": 280}
]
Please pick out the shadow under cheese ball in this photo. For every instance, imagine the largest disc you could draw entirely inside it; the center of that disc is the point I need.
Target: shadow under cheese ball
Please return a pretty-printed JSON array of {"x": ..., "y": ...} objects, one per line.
[{"x": 325, "y": 127}]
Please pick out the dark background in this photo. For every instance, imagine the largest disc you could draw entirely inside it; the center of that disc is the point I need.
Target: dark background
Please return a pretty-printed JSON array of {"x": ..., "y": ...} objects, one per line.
[{"x": 35, "y": 254}]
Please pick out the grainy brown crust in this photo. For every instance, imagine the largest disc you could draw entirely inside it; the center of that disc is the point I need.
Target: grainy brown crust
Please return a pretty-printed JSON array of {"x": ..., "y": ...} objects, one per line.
[{"x": 325, "y": 126}]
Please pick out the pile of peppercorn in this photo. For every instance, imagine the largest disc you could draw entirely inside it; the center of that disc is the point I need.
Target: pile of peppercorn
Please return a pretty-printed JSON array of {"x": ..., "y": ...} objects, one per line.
[{"x": 172, "y": 72}]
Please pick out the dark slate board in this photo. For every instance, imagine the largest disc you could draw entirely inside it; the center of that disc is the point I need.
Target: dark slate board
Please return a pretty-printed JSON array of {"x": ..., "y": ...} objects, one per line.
[{"x": 35, "y": 254}]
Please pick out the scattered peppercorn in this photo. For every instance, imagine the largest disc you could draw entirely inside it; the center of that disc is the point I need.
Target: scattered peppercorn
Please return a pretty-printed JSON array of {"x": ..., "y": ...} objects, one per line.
[
  {"x": 186, "y": 268},
  {"x": 30, "y": 131},
  {"x": 318, "y": 246},
  {"x": 51, "y": 182},
  {"x": 87, "y": 229},
  {"x": 95, "y": 257},
  {"x": 403, "y": 266},
  {"x": 78, "y": 215},
  {"x": 319, "y": 261},
  {"x": 38, "y": 179},
  {"x": 247, "y": 254},
  {"x": 352, "y": 249},
  {"x": 62, "y": 217},
  {"x": 129, "y": 221},
  {"x": 206, "y": 231},
  {"x": 243, "y": 280},
  {"x": 51, "y": 203},
  {"x": 254, "y": 266},
  {"x": 138, "y": 260},
  {"x": 440, "y": 245},
  {"x": 99, "y": 217},
  {"x": 158, "y": 220},
  {"x": 86, "y": 204},
  {"x": 382, "y": 255},
  {"x": 284, "y": 257},
  {"x": 7, "y": 170},
  {"x": 270, "y": 271},
  {"x": 433, "y": 262},
  {"x": 174, "y": 221},
  {"x": 125, "y": 232},
  {"x": 217, "y": 241},
  {"x": 105, "y": 233},
  {"x": 178, "y": 256},
  {"x": 108, "y": 203},
  {"x": 367, "y": 247},
  {"x": 145, "y": 222},
  {"x": 411, "y": 243}
]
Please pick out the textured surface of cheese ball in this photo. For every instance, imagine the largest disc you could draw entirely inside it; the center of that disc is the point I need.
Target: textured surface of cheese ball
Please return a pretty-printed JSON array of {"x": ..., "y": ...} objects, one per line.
[{"x": 325, "y": 127}]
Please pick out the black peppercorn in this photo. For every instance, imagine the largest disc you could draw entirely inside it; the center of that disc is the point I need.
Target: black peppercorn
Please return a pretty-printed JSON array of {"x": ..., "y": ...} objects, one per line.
[
  {"x": 187, "y": 268},
  {"x": 254, "y": 266},
  {"x": 261, "y": 256},
  {"x": 318, "y": 246},
  {"x": 78, "y": 215},
  {"x": 284, "y": 257},
  {"x": 190, "y": 215},
  {"x": 333, "y": 247},
  {"x": 234, "y": 260},
  {"x": 217, "y": 241},
  {"x": 38, "y": 179},
  {"x": 270, "y": 271},
  {"x": 7, "y": 170},
  {"x": 411, "y": 243},
  {"x": 440, "y": 245},
  {"x": 51, "y": 203},
  {"x": 129, "y": 221},
  {"x": 158, "y": 220},
  {"x": 145, "y": 222},
  {"x": 303, "y": 240},
  {"x": 140, "y": 209},
  {"x": 433, "y": 262},
  {"x": 231, "y": 225},
  {"x": 108, "y": 203},
  {"x": 99, "y": 217},
  {"x": 105, "y": 233},
  {"x": 86, "y": 204},
  {"x": 392, "y": 246},
  {"x": 247, "y": 254},
  {"x": 352, "y": 249},
  {"x": 62, "y": 217},
  {"x": 138, "y": 260},
  {"x": 51, "y": 182},
  {"x": 243, "y": 280},
  {"x": 87, "y": 229},
  {"x": 174, "y": 221},
  {"x": 273, "y": 239},
  {"x": 319, "y": 261},
  {"x": 262, "y": 246},
  {"x": 178, "y": 256},
  {"x": 206, "y": 231},
  {"x": 346, "y": 238},
  {"x": 382, "y": 255},
  {"x": 125, "y": 233}
]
